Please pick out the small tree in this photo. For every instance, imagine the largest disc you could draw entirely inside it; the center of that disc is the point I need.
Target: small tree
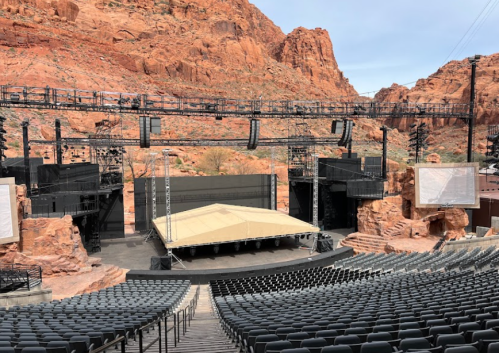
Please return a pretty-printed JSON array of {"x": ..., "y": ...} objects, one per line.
[
  {"x": 214, "y": 159},
  {"x": 131, "y": 160}
]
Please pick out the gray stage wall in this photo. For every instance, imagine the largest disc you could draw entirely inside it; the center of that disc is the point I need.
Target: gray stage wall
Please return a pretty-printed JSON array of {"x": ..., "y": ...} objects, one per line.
[
  {"x": 188, "y": 193},
  {"x": 205, "y": 276}
]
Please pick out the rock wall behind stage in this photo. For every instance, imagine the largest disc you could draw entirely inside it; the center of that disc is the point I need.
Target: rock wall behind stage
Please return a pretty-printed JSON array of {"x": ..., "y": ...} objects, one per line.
[
  {"x": 394, "y": 224},
  {"x": 55, "y": 245}
]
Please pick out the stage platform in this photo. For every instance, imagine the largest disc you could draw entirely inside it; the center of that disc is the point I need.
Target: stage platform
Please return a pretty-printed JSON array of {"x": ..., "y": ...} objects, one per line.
[
  {"x": 132, "y": 252},
  {"x": 205, "y": 276},
  {"x": 219, "y": 224}
]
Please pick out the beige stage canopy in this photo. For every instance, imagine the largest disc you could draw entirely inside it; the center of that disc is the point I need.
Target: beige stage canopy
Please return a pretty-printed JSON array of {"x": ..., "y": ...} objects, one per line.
[{"x": 226, "y": 223}]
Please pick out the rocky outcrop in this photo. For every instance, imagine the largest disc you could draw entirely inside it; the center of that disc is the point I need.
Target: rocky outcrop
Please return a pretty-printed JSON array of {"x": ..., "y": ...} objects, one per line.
[
  {"x": 433, "y": 158},
  {"x": 310, "y": 52},
  {"x": 376, "y": 216},
  {"x": 451, "y": 84}
]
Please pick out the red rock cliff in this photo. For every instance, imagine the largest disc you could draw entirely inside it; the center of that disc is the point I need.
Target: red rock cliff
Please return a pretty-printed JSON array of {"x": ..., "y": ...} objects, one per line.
[{"x": 451, "y": 84}]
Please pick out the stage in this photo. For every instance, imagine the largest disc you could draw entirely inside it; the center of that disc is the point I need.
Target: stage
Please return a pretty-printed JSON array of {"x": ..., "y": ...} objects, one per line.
[
  {"x": 222, "y": 224},
  {"x": 132, "y": 252}
]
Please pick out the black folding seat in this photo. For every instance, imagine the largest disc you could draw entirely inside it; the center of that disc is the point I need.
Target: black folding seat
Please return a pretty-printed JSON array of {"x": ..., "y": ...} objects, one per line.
[
  {"x": 376, "y": 347},
  {"x": 19, "y": 347},
  {"x": 284, "y": 331},
  {"x": 355, "y": 331},
  {"x": 296, "y": 338},
  {"x": 439, "y": 330},
  {"x": 58, "y": 347},
  {"x": 250, "y": 337},
  {"x": 5, "y": 344},
  {"x": 311, "y": 329},
  {"x": 463, "y": 349},
  {"x": 337, "y": 326},
  {"x": 459, "y": 320},
  {"x": 295, "y": 350},
  {"x": 485, "y": 337},
  {"x": 314, "y": 345},
  {"x": 337, "y": 349},
  {"x": 379, "y": 337},
  {"x": 347, "y": 340},
  {"x": 468, "y": 326},
  {"x": 359, "y": 324},
  {"x": 383, "y": 328},
  {"x": 261, "y": 341},
  {"x": 436, "y": 322},
  {"x": 328, "y": 335},
  {"x": 450, "y": 339},
  {"x": 414, "y": 344},
  {"x": 34, "y": 350},
  {"x": 409, "y": 325},
  {"x": 492, "y": 348}
]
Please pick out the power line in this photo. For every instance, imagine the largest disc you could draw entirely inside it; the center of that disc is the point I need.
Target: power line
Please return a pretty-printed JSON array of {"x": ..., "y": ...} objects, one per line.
[
  {"x": 464, "y": 35},
  {"x": 478, "y": 27}
]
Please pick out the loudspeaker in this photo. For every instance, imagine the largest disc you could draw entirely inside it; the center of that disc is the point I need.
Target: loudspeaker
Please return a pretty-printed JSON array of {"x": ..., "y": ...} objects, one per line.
[
  {"x": 155, "y": 125},
  {"x": 161, "y": 263},
  {"x": 347, "y": 133},
  {"x": 337, "y": 127},
  {"x": 145, "y": 131},
  {"x": 254, "y": 134}
]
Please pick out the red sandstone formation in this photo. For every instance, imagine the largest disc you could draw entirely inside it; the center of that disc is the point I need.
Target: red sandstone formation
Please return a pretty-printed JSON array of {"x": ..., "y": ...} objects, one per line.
[
  {"x": 55, "y": 245},
  {"x": 451, "y": 84},
  {"x": 396, "y": 225}
]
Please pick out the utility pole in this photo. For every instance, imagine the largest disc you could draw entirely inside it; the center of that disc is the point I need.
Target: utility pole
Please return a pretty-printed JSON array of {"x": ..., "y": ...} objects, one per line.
[
  {"x": 385, "y": 143},
  {"x": 272, "y": 179},
  {"x": 26, "y": 148},
  {"x": 58, "y": 145},
  {"x": 471, "y": 119}
]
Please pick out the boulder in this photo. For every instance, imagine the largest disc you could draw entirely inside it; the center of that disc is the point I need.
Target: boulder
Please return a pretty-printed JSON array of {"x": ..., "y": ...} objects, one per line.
[
  {"x": 433, "y": 158},
  {"x": 67, "y": 9}
]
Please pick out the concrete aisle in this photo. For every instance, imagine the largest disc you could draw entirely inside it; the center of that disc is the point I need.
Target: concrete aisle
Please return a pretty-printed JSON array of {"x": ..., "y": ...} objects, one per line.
[{"x": 205, "y": 333}]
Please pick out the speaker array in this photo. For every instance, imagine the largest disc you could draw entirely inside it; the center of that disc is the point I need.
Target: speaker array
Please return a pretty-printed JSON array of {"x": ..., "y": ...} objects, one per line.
[
  {"x": 254, "y": 134},
  {"x": 347, "y": 133},
  {"x": 145, "y": 131}
]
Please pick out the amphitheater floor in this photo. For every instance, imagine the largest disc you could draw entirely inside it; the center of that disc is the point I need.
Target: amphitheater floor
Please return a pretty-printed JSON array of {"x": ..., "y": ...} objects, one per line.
[{"x": 133, "y": 252}]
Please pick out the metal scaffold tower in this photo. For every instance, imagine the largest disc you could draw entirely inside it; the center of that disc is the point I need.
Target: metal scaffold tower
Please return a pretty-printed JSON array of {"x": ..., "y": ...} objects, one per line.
[
  {"x": 153, "y": 184},
  {"x": 315, "y": 207},
  {"x": 273, "y": 205},
  {"x": 299, "y": 156},
  {"x": 168, "y": 213}
]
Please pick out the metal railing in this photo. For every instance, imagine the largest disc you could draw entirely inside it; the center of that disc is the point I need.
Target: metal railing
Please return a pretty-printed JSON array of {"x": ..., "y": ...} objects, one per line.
[
  {"x": 181, "y": 320},
  {"x": 110, "y": 344},
  {"x": 47, "y": 211},
  {"x": 15, "y": 276},
  {"x": 72, "y": 186}
]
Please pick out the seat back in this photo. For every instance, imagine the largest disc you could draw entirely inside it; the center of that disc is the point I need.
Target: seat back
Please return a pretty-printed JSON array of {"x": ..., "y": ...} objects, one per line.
[
  {"x": 376, "y": 347},
  {"x": 276, "y": 347},
  {"x": 454, "y": 338},
  {"x": 414, "y": 343}
]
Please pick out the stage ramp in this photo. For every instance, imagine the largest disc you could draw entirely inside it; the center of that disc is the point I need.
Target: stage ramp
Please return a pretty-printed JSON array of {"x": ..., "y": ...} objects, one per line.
[{"x": 218, "y": 223}]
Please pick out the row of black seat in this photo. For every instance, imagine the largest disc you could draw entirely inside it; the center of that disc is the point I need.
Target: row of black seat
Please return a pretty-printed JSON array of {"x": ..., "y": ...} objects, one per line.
[
  {"x": 88, "y": 321},
  {"x": 308, "y": 278},
  {"x": 402, "y": 309}
]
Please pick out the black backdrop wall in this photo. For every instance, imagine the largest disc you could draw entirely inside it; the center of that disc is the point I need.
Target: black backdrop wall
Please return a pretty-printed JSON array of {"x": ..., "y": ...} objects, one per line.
[{"x": 188, "y": 193}]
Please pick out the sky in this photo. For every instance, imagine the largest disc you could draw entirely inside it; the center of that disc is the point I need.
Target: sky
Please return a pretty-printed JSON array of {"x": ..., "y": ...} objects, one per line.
[{"x": 377, "y": 43}]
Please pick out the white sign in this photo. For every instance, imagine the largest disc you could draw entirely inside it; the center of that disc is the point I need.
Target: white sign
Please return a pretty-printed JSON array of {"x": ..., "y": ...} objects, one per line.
[{"x": 6, "y": 226}]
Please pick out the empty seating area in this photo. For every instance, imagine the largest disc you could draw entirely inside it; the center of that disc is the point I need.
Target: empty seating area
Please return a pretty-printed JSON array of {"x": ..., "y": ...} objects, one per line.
[
  {"x": 285, "y": 281},
  {"x": 398, "y": 311},
  {"x": 85, "y": 322},
  {"x": 436, "y": 261}
]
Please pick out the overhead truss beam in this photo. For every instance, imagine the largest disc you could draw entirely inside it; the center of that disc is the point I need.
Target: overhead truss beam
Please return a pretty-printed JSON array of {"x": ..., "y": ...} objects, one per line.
[
  {"x": 119, "y": 142},
  {"x": 135, "y": 103}
]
